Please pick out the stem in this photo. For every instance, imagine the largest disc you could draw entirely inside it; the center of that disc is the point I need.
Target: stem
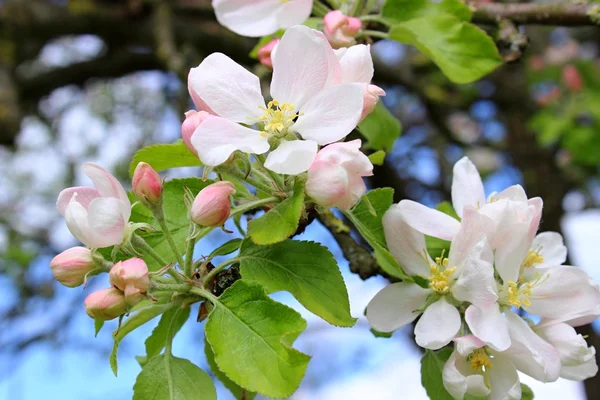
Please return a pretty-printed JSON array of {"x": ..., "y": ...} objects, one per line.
[
  {"x": 189, "y": 257},
  {"x": 276, "y": 178},
  {"x": 375, "y": 18},
  {"x": 160, "y": 217},
  {"x": 254, "y": 182},
  {"x": 169, "y": 353},
  {"x": 218, "y": 269},
  {"x": 253, "y": 204},
  {"x": 377, "y": 34},
  {"x": 319, "y": 9},
  {"x": 358, "y": 7},
  {"x": 172, "y": 287},
  {"x": 139, "y": 242},
  {"x": 206, "y": 294}
]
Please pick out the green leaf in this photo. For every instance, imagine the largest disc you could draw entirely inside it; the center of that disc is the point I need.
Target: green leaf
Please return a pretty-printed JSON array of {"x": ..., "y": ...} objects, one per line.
[
  {"x": 463, "y": 52},
  {"x": 404, "y": 10},
  {"x": 526, "y": 392},
  {"x": 431, "y": 374},
  {"x": 251, "y": 336},
  {"x": 280, "y": 222},
  {"x": 98, "y": 324},
  {"x": 226, "y": 248},
  {"x": 385, "y": 335},
  {"x": 170, "y": 378},
  {"x": 305, "y": 269},
  {"x": 134, "y": 321},
  {"x": 447, "y": 209},
  {"x": 165, "y": 156},
  {"x": 377, "y": 158},
  {"x": 435, "y": 246},
  {"x": 173, "y": 319},
  {"x": 380, "y": 128},
  {"x": 238, "y": 392}
]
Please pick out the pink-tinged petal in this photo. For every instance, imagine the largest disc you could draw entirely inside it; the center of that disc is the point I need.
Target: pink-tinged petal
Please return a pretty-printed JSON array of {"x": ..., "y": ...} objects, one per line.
[
  {"x": 467, "y": 344},
  {"x": 489, "y": 325},
  {"x": 428, "y": 220},
  {"x": 293, "y": 13},
  {"x": 292, "y": 157},
  {"x": 504, "y": 380},
  {"x": 395, "y": 306},
  {"x": 76, "y": 217},
  {"x": 301, "y": 66},
  {"x": 551, "y": 247},
  {"x": 217, "y": 138},
  {"x": 406, "y": 244},
  {"x": 331, "y": 114},
  {"x": 454, "y": 381},
  {"x": 356, "y": 190},
  {"x": 230, "y": 90},
  {"x": 347, "y": 155},
  {"x": 510, "y": 255},
  {"x": 84, "y": 195},
  {"x": 575, "y": 319},
  {"x": 438, "y": 325},
  {"x": 106, "y": 222},
  {"x": 535, "y": 209},
  {"x": 514, "y": 193},
  {"x": 467, "y": 187},
  {"x": 476, "y": 284},
  {"x": 357, "y": 64},
  {"x": 249, "y": 18},
  {"x": 474, "y": 228},
  {"x": 530, "y": 353},
  {"x": 572, "y": 349},
  {"x": 326, "y": 183},
  {"x": 198, "y": 102},
  {"x": 107, "y": 185}
]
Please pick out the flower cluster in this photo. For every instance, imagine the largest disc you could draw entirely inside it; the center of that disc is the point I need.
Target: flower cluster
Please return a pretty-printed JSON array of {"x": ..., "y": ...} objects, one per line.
[{"x": 501, "y": 295}]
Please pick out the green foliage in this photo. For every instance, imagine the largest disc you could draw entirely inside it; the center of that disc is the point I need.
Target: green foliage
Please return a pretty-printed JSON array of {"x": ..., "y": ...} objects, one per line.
[
  {"x": 170, "y": 378},
  {"x": 238, "y": 392},
  {"x": 431, "y": 374},
  {"x": 305, "y": 269},
  {"x": 98, "y": 324},
  {"x": 404, "y": 10},
  {"x": 377, "y": 158},
  {"x": 280, "y": 222},
  {"x": 251, "y": 337},
  {"x": 435, "y": 246},
  {"x": 170, "y": 323},
  {"x": 526, "y": 392},
  {"x": 380, "y": 128},
  {"x": 165, "y": 156},
  {"x": 226, "y": 248}
]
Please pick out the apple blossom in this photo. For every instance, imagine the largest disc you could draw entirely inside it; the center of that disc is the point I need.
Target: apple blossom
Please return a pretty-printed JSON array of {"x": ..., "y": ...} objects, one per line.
[
  {"x": 192, "y": 120},
  {"x": 265, "y": 53},
  {"x": 72, "y": 265},
  {"x": 96, "y": 216},
  {"x": 308, "y": 109},
  {"x": 131, "y": 277},
  {"x": 335, "y": 176},
  {"x": 147, "y": 185},
  {"x": 340, "y": 29},
  {"x": 105, "y": 304},
  {"x": 212, "y": 206},
  {"x": 261, "y": 17}
]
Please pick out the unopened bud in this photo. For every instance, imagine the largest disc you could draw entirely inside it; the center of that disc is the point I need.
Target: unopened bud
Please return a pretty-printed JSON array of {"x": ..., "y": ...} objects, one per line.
[
  {"x": 370, "y": 99},
  {"x": 193, "y": 119},
  {"x": 212, "y": 206},
  {"x": 147, "y": 185},
  {"x": 105, "y": 304},
  {"x": 72, "y": 265},
  {"x": 340, "y": 29},
  {"x": 131, "y": 277},
  {"x": 265, "y": 52}
]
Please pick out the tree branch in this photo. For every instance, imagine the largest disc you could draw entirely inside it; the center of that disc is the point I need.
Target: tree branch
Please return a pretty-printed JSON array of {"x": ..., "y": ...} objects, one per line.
[{"x": 538, "y": 14}]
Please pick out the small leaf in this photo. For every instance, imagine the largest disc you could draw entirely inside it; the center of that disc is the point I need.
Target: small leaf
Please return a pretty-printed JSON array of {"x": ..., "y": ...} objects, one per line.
[
  {"x": 447, "y": 209},
  {"x": 526, "y": 392},
  {"x": 226, "y": 248},
  {"x": 377, "y": 158},
  {"x": 238, "y": 392},
  {"x": 98, "y": 324},
  {"x": 404, "y": 10},
  {"x": 381, "y": 129},
  {"x": 378, "y": 334},
  {"x": 431, "y": 374},
  {"x": 170, "y": 378},
  {"x": 165, "y": 156},
  {"x": 305, "y": 269},
  {"x": 173, "y": 319}
]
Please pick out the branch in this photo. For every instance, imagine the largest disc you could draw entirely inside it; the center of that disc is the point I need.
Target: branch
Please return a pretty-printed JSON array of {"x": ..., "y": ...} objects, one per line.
[{"x": 538, "y": 14}]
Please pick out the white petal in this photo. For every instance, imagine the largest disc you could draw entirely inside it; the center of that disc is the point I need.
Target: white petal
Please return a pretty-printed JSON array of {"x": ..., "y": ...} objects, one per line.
[
  {"x": 535, "y": 210},
  {"x": 106, "y": 221},
  {"x": 217, "y": 138},
  {"x": 331, "y": 114},
  {"x": 301, "y": 66},
  {"x": 406, "y": 244},
  {"x": 504, "y": 380},
  {"x": 76, "y": 217},
  {"x": 582, "y": 371},
  {"x": 438, "y": 325},
  {"x": 84, "y": 195},
  {"x": 467, "y": 188},
  {"x": 294, "y": 13},
  {"x": 476, "y": 284},
  {"x": 357, "y": 64},
  {"x": 229, "y": 89},
  {"x": 551, "y": 247},
  {"x": 428, "y": 220},
  {"x": 249, "y": 18},
  {"x": 514, "y": 193},
  {"x": 575, "y": 319},
  {"x": 489, "y": 325},
  {"x": 571, "y": 346},
  {"x": 511, "y": 253},
  {"x": 107, "y": 185},
  {"x": 395, "y": 306},
  {"x": 292, "y": 157},
  {"x": 470, "y": 239},
  {"x": 454, "y": 382},
  {"x": 465, "y": 345},
  {"x": 476, "y": 386}
]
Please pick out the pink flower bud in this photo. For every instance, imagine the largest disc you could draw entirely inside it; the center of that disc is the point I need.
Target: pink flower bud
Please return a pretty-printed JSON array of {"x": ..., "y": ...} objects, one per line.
[
  {"x": 572, "y": 78},
  {"x": 105, "y": 304},
  {"x": 370, "y": 99},
  {"x": 212, "y": 206},
  {"x": 72, "y": 265},
  {"x": 131, "y": 277},
  {"x": 193, "y": 119},
  {"x": 340, "y": 29},
  {"x": 147, "y": 184},
  {"x": 264, "y": 54}
]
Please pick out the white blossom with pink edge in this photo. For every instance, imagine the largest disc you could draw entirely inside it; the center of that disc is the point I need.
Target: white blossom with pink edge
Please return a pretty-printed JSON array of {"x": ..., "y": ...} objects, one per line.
[
  {"x": 96, "y": 216},
  {"x": 308, "y": 109},
  {"x": 255, "y": 18}
]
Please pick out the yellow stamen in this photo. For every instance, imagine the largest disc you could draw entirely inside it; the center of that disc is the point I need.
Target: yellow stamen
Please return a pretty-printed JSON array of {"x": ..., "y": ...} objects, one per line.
[
  {"x": 532, "y": 258},
  {"x": 277, "y": 118},
  {"x": 480, "y": 361},
  {"x": 518, "y": 296},
  {"x": 439, "y": 280}
]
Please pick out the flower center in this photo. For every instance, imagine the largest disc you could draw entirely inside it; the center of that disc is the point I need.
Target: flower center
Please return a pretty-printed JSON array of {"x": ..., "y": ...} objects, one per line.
[
  {"x": 439, "y": 280},
  {"x": 277, "y": 118},
  {"x": 518, "y": 296},
  {"x": 533, "y": 257},
  {"x": 480, "y": 361}
]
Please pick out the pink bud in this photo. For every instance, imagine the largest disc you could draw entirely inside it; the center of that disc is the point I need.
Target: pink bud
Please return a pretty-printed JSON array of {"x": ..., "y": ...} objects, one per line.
[
  {"x": 72, "y": 265},
  {"x": 340, "y": 29},
  {"x": 212, "y": 206},
  {"x": 264, "y": 54},
  {"x": 147, "y": 184},
  {"x": 370, "y": 99},
  {"x": 572, "y": 78},
  {"x": 131, "y": 277},
  {"x": 193, "y": 119},
  {"x": 105, "y": 304}
]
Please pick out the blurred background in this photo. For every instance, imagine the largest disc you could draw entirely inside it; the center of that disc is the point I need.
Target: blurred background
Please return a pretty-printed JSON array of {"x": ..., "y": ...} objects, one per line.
[{"x": 95, "y": 80}]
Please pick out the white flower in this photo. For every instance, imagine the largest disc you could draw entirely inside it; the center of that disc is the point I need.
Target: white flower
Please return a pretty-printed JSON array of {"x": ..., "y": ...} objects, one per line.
[
  {"x": 261, "y": 17},
  {"x": 306, "y": 102},
  {"x": 465, "y": 276}
]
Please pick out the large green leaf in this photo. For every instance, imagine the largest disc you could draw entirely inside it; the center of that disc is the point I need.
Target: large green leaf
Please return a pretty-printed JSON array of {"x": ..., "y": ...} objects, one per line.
[
  {"x": 305, "y": 269},
  {"x": 380, "y": 128},
  {"x": 170, "y": 378},
  {"x": 238, "y": 392},
  {"x": 431, "y": 374},
  {"x": 404, "y": 10},
  {"x": 165, "y": 156},
  {"x": 463, "y": 52},
  {"x": 170, "y": 322},
  {"x": 251, "y": 337}
]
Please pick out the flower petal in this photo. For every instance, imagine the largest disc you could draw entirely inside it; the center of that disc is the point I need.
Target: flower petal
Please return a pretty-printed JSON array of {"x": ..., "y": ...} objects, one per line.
[
  {"x": 470, "y": 240},
  {"x": 454, "y": 382},
  {"x": 249, "y": 18},
  {"x": 106, "y": 221},
  {"x": 428, "y": 220},
  {"x": 84, "y": 195},
  {"x": 514, "y": 193},
  {"x": 489, "y": 325},
  {"x": 438, "y": 325},
  {"x": 76, "y": 217},
  {"x": 476, "y": 284},
  {"x": 293, "y": 13},
  {"x": 217, "y": 138},
  {"x": 465, "y": 345},
  {"x": 292, "y": 157},
  {"x": 467, "y": 187},
  {"x": 107, "y": 185},
  {"x": 227, "y": 88},
  {"x": 395, "y": 306},
  {"x": 504, "y": 380},
  {"x": 331, "y": 114},
  {"x": 551, "y": 247},
  {"x": 511, "y": 253},
  {"x": 582, "y": 371},
  {"x": 571, "y": 346},
  {"x": 357, "y": 64}
]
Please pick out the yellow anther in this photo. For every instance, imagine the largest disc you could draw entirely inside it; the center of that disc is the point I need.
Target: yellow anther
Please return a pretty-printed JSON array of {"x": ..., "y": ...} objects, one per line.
[
  {"x": 480, "y": 361},
  {"x": 532, "y": 258},
  {"x": 277, "y": 118},
  {"x": 518, "y": 296},
  {"x": 439, "y": 280}
]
